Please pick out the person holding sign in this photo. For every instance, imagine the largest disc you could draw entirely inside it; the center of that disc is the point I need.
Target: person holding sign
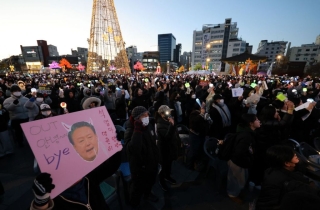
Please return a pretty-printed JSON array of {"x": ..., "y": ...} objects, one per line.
[{"x": 84, "y": 194}]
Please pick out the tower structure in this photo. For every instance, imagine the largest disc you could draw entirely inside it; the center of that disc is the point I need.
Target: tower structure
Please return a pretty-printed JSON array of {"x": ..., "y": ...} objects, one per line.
[{"x": 106, "y": 46}]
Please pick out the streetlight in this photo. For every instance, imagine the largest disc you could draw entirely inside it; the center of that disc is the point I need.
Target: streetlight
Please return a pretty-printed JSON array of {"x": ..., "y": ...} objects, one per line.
[
  {"x": 208, "y": 59},
  {"x": 168, "y": 67},
  {"x": 208, "y": 51},
  {"x": 279, "y": 58}
]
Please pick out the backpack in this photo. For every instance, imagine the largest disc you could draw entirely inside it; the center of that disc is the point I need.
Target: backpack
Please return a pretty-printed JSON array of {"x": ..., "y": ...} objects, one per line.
[{"x": 225, "y": 149}]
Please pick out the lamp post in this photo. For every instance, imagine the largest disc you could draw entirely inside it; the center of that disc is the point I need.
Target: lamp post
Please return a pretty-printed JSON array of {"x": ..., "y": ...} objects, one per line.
[
  {"x": 168, "y": 67},
  {"x": 208, "y": 59},
  {"x": 208, "y": 51}
]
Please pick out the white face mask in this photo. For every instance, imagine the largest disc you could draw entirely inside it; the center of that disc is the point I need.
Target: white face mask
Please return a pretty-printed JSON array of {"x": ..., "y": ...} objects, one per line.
[
  {"x": 46, "y": 113},
  {"x": 221, "y": 102},
  {"x": 39, "y": 100},
  {"x": 193, "y": 96},
  {"x": 120, "y": 87},
  {"x": 145, "y": 121},
  {"x": 17, "y": 94}
]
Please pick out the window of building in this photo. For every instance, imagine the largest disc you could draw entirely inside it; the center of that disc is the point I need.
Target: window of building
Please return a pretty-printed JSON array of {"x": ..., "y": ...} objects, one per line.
[
  {"x": 272, "y": 48},
  {"x": 276, "y": 51},
  {"x": 297, "y": 59},
  {"x": 266, "y": 52},
  {"x": 236, "y": 45},
  {"x": 235, "y": 49},
  {"x": 271, "y": 52},
  {"x": 299, "y": 50},
  {"x": 305, "y": 59},
  {"x": 315, "y": 49},
  {"x": 267, "y": 48},
  {"x": 277, "y": 48},
  {"x": 307, "y": 50}
]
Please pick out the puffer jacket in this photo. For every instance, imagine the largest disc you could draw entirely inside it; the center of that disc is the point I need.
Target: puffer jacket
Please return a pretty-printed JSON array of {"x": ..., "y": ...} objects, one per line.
[
  {"x": 16, "y": 111},
  {"x": 33, "y": 107}
]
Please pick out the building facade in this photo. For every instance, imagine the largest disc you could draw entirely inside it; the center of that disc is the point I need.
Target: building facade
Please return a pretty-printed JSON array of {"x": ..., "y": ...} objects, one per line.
[
  {"x": 53, "y": 50},
  {"x": 215, "y": 42},
  {"x": 33, "y": 57},
  {"x": 81, "y": 53},
  {"x": 309, "y": 53},
  {"x": 273, "y": 50},
  {"x": 150, "y": 60},
  {"x": 166, "y": 44},
  {"x": 131, "y": 50},
  {"x": 185, "y": 60},
  {"x": 177, "y": 54}
]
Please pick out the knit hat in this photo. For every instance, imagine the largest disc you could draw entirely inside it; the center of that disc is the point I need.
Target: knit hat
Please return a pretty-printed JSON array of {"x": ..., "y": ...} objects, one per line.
[
  {"x": 45, "y": 107},
  {"x": 164, "y": 109},
  {"x": 138, "y": 111},
  {"x": 217, "y": 96}
]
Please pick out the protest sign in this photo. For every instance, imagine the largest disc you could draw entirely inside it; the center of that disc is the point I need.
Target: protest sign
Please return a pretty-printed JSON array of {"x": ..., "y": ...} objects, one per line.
[
  {"x": 70, "y": 146},
  {"x": 236, "y": 92}
]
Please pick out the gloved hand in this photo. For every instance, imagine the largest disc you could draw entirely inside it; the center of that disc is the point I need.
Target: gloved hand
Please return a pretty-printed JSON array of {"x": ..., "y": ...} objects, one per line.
[
  {"x": 16, "y": 101},
  {"x": 42, "y": 187}
]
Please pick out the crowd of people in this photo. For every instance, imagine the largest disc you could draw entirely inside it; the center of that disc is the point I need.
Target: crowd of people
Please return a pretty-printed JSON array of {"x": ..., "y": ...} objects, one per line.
[{"x": 150, "y": 106}]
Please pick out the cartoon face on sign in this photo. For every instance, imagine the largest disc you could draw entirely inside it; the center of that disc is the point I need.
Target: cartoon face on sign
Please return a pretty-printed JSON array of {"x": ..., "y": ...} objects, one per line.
[{"x": 83, "y": 137}]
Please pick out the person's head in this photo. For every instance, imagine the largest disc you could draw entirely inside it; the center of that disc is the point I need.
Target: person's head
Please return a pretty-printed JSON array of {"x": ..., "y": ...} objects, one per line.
[
  {"x": 251, "y": 121},
  {"x": 84, "y": 140},
  {"x": 139, "y": 92},
  {"x": 45, "y": 110},
  {"x": 39, "y": 98},
  {"x": 281, "y": 156},
  {"x": 164, "y": 111},
  {"x": 269, "y": 112},
  {"x": 15, "y": 91},
  {"x": 142, "y": 114},
  {"x": 218, "y": 99},
  {"x": 71, "y": 94}
]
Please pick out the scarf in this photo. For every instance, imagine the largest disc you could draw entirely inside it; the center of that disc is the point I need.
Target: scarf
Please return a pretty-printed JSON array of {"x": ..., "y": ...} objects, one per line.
[{"x": 224, "y": 113}]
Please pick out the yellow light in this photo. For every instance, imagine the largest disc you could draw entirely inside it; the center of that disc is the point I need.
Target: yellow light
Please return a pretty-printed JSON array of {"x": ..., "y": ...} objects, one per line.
[
  {"x": 279, "y": 57},
  {"x": 208, "y": 59},
  {"x": 208, "y": 45}
]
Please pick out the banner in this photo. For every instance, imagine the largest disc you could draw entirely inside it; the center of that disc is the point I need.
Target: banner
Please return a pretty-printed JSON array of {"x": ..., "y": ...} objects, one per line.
[
  {"x": 205, "y": 40},
  {"x": 69, "y": 146}
]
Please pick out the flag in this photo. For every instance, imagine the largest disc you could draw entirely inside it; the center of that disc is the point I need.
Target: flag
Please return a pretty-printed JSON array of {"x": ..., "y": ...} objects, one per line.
[
  {"x": 258, "y": 66},
  {"x": 269, "y": 70}
]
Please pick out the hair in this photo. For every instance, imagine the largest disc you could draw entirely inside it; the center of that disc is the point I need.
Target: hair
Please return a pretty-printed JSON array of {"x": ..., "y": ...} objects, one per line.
[
  {"x": 278, "y": 104},
  {"x": 77, "y": 125},
  {"x": 248, "y": 118},
  {"x": 268, "y": 113},
  {"x": 278, "y": 155}
]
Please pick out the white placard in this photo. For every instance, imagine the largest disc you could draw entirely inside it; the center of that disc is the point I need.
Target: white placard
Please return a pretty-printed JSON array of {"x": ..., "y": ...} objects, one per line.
[{"x": 236, "y": 92}]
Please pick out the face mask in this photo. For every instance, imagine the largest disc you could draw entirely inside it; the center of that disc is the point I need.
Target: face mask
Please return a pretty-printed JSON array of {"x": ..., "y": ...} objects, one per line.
[
  {"x": 17, "y": 94},
  {"x": 193, "y": 96},
  {"x": 39, "y": 100},
  {"x": 46, "y": 113},
  {"x": 145, "y": 121},
  {"x": 120, "y": 87}
]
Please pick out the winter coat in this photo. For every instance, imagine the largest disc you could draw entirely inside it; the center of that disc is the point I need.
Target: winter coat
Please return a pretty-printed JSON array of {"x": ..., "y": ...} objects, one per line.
[
  {"x": 244, "y": 147},
  {"x": 121, "y": 106},
  {"x": 93, "y": 180},
  {"x": 277, "y": 183},
  {"x": 16, "y": 111},
  {"x": 273, "y": 131},
  {"x": 4, "y": 119},
  {"x": 142, "y": 151},
  {"x": 109, "y": 100},
  {"x": 139, "y": 101},
  {"x": 34, "y": 107},
  {"x": 168, "y": 139},
  {"x": 197, "y": 124},
  {"x": 72, "y": 104}
]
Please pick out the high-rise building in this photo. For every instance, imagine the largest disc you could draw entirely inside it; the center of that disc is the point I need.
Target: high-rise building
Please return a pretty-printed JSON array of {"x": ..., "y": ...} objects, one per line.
[
  {"x": 45, "y": 51},
  {"x": 215, "y": 42},
  {"x": 131, "y": 50},
  {"x": 272, "y": 50},
  {"x": 53, "y": 50},
  {"x": 185, "y": 60},
  {"x": 318, "y": 40},
  {"x": 177, "y": 54},
  {"x": 166, "y": 44}
]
